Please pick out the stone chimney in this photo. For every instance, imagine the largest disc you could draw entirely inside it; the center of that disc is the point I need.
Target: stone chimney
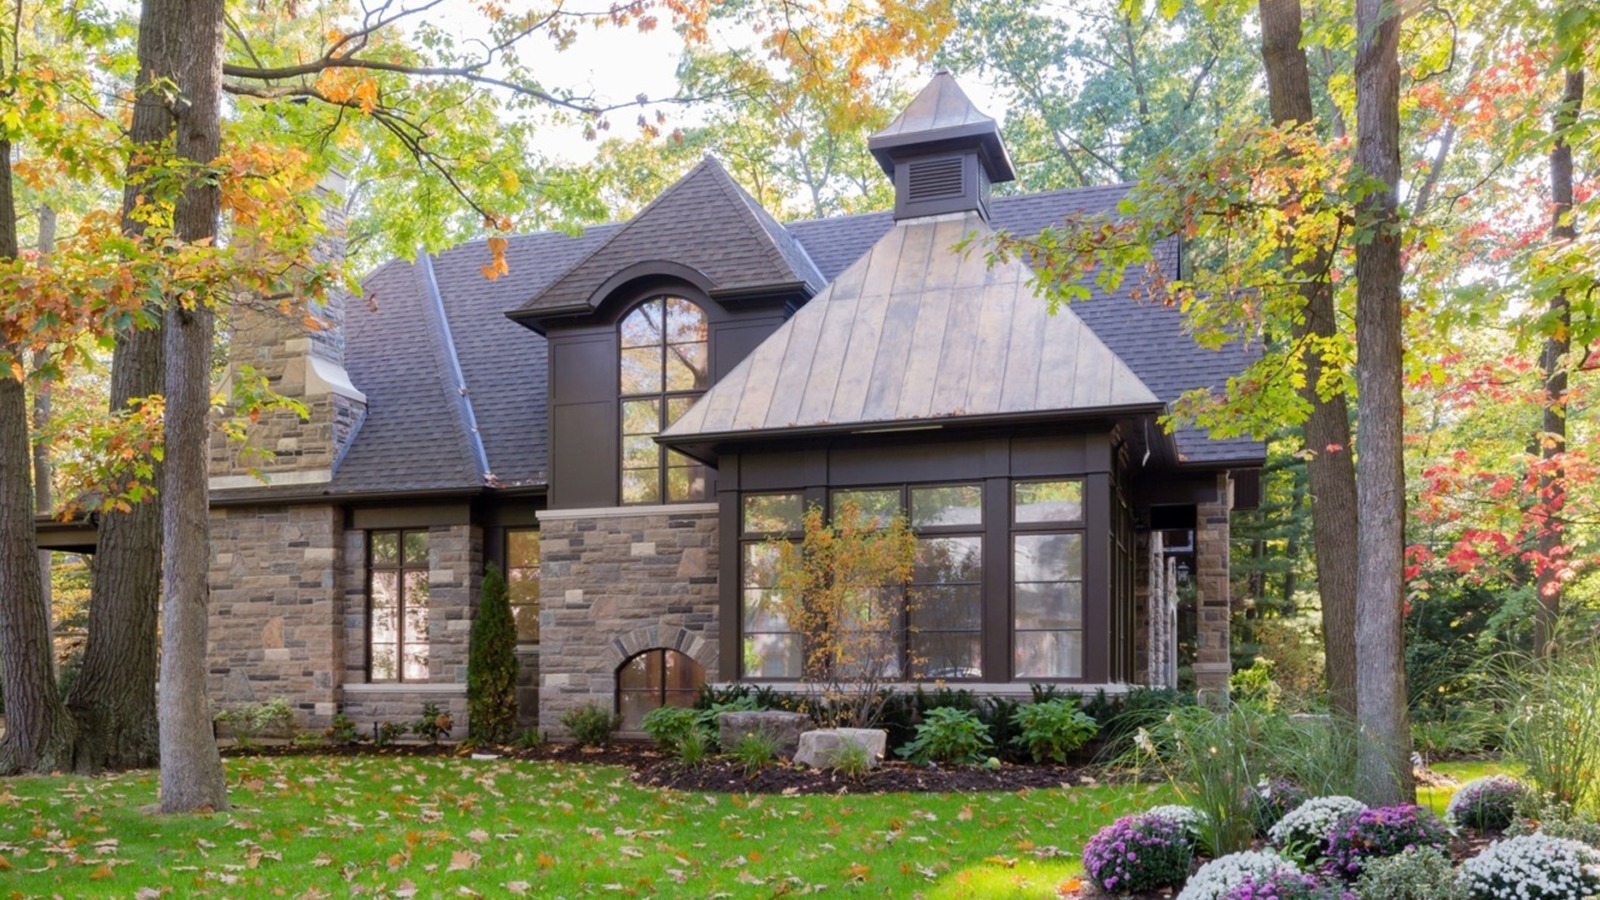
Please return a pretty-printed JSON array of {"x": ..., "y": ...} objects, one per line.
[
  {"x": 301, "y": 360},
  {"x": 942, "y": 153}
]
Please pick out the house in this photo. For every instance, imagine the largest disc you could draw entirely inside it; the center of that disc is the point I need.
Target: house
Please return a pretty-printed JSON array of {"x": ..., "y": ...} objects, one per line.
[{"x": 624, "y": 419}]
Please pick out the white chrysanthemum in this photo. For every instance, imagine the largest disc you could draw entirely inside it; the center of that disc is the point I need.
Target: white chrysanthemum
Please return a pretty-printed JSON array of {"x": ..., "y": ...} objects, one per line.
[
  {"x": 1533, "y": 867},
  {"x": 1187, "y": 817},
  {"x": 1225, "y": 873},
  {"x": 1306, "y": 827}
]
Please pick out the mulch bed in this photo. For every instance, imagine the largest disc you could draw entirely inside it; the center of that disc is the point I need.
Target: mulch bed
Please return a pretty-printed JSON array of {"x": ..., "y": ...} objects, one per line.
[{"x": 723, "y": 776}]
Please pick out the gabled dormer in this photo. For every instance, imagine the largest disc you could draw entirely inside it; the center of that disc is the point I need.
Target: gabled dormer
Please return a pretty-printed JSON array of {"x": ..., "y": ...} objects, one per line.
[{"x": 943, "y": 154}]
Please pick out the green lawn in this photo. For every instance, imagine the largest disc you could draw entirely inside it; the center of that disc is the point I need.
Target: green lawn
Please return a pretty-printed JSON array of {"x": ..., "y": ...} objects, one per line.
[{"x": 445, "y": 827}]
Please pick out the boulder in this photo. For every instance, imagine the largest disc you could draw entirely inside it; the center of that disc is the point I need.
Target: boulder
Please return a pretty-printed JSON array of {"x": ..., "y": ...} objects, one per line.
[
  {"x": 785, "y": 727},
  {"x": 820, "y": 748}
]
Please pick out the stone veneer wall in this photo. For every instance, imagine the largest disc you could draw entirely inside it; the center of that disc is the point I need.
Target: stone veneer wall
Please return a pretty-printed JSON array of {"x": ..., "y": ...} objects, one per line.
[
  {"x": 276, "y": 608},
  {"x": 616, "y": 582},
  {"x": 455, "y": 576},
  {"x": 1213, "y": 659}
]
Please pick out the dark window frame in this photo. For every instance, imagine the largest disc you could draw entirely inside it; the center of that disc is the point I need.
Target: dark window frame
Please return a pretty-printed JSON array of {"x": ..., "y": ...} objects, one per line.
[
  {"x": 618, "y": 690},
  {"x": 400, "y": 568},
  {"x": 754, "y": 538},
  {"x": 537, "y": 567},
  {"x": 1079, "y": 526},
  {"x": 663, "y": 399}
]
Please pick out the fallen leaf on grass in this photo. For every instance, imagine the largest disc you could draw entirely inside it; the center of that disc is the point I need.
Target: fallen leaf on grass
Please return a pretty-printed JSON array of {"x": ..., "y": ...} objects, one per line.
[
  {"x": 462, "y": 859},
  {"x": 518, "y": 888}
]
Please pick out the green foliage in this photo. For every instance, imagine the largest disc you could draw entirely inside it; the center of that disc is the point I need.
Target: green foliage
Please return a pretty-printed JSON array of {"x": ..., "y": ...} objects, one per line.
[
  {"x": 341, "y": 731},
  {"x": 669, "y": 725},
  {"x": 435, "y": 723},
  {"x": 249, "y": 721},
  {"x": 1418, "y": 874},
  {"x": 492, "y": 665},
  {"x": 754, "y": 751},
  {"x": 1123, "y": 717},
  {"x": 1554, "y": 726},
  {"x": 852, "y": 760},
  {"x": 1053, "y": 729},
  {"x": 949, "y": 735},
  {"x": 692, "y": 749},
  {"x": 591, "y": 725},
  {"x": 1556, "y": 819},
  {"x": 1255, "y": 685},
  {"x": 529, "y": 739},
  {"x": 306, "y": 740},
  {"x": 386, "y": 733}
]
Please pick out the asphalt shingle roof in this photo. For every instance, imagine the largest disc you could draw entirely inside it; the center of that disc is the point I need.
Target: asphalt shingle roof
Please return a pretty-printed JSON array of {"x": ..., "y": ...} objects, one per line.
[{"x": 416, "y": 435}]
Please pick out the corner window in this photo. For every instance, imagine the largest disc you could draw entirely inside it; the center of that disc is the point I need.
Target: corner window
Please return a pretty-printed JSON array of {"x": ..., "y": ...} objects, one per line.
[
  {"x": 397, "y": 605},
  {"x": 653, "y": 679},
  {"x": 522, "y": 581},
  {"x": 770, "y": 647},
  {"x": 1047, "y": 562},
  {"x": 664, "y": 368}
]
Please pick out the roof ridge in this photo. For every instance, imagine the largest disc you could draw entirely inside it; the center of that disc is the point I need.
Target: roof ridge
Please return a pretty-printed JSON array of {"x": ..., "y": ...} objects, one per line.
[
  {"x": 765, "y": 221},
  {"x": 554, "y": 282},
  {"x": 450, "y": 364}
]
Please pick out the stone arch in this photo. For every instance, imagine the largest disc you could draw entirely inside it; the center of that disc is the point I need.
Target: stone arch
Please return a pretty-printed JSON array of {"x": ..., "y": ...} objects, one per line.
[{"x": 694, "y": 644}]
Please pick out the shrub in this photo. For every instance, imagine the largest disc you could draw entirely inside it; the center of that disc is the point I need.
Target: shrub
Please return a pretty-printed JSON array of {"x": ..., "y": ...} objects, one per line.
[
  {"x": 529, "y": 739},
  {"x": 950, "y": 736},
  {"x": 1138, "y": 853},
  {"x": 1226, "y": 873},
  {"x": 1385, "y": 831},
  {"x": 492, "y": 665},
  {"x": 1053, "y": 729},
  {"x": 1303, "y": 832},
  {"x": 591, "y": 725},
  {"x": 1283, "y": 886},
  {"x": 434, "y": 724},
  {"x": 1274, "y": 799},
  {"x": 1123, "y": 718},
  {"x": 1191, "y": 819},
  {"x": 1532, "y": 867},
  {"x": 306, "y": 740},
  {"x": 755, "y": 750},
  {"x": 1416, "y": 874},
  {"x": 341, "y": 731},
  {"x": 1210, "y": 759},
  {"x": 251, "y": 720},
  {"x": 669, "y": 725},
  {"x": 1254, "y": 685},
  {"x": 1489, "y": 803},
  {"x": 386, "y": 733}
]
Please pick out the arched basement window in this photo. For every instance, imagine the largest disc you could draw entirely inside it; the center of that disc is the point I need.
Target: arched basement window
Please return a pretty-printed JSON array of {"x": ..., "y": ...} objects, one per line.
[
  {"x": 653, "y": 679},
  {"x": 663, "y": 371}
]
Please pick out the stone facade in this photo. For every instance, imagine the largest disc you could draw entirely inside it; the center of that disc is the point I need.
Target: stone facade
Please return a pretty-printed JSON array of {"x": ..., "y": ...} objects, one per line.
[
  {"x": 1213, "y": 654},
  {"x": 455, "y": 577},
  {"x": 300, "y": 354},
  {"x": 616, "y": 582},
  {"x": 276, "y": 607}
]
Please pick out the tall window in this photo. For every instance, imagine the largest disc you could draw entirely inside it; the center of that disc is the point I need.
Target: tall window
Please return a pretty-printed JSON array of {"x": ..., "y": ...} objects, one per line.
[
  {"x": 1047, "y": 578},
  {"x": 664, "y": 368},
  {"x": 522, "y": 581},
  {"x": 770, "y": 647},
  {"x": 653, "y": 679},
  {"x": 397, "y": 605}
]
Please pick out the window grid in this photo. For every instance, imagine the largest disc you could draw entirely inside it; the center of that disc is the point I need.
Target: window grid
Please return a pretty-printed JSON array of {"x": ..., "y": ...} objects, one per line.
[
  {"x": 1045, "y": 647},
  {"x": 769, "y": 647},
  {"x": 663, "y": 369},
  {"x": 522, "y": 581},
  {"x": 397, "y": 606}
]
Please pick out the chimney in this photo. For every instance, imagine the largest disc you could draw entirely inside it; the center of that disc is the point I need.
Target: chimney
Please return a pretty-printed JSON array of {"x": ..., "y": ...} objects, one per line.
[
  {"x": 942, "y": 153},
  {"x": 300, "y": 361}
]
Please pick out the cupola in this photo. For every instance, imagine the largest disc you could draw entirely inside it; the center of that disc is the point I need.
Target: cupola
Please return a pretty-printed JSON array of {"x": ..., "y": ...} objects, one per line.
[{"x": 943, "y": 153}]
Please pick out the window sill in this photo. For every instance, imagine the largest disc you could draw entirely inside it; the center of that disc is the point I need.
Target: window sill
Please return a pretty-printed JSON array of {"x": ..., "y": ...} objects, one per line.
[
  {"x": 986, "y": 688},
  {"x": 407, "y": 687}
]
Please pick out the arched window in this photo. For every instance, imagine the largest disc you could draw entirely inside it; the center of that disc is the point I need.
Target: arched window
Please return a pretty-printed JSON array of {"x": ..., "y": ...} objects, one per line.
[
  {"x": 653, "y": 679},
  {"x": 664, "y": 369}
]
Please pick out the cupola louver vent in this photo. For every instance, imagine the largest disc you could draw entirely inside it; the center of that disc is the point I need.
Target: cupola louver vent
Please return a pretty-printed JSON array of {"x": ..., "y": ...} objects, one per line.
[{"x": 934, "y": 179}]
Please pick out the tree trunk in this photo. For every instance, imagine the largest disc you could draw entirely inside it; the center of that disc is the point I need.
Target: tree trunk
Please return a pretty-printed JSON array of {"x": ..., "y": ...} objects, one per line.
[
  {"x": 42, "y": 502},
  {"x": 191, "y": 770},
  {"x": 1553, "y": 366},
  {"x": 114, "y": 697},
  {"x": 1384, "y": 750},
  {"x": 38, "y": 733},
  {"x": 1329, "y": 467}
]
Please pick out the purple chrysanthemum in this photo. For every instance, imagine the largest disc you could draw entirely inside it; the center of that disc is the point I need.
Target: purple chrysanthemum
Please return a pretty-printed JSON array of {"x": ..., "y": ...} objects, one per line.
[
  {"x": 1138, "y": 853},
  {"x": 1385, "y": 831}
]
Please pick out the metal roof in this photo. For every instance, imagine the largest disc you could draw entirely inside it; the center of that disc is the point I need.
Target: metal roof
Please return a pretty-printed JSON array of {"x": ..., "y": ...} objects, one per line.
[
  {"x": 941, "y": 115},
  {"x": 916, "y": 331}
]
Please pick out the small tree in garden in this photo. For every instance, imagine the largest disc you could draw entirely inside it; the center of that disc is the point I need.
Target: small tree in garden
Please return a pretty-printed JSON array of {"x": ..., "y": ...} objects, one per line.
[
  {"x": 841, "y": 588},
  {"x": 492, "y": 665}
]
